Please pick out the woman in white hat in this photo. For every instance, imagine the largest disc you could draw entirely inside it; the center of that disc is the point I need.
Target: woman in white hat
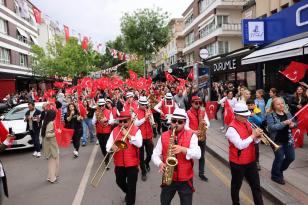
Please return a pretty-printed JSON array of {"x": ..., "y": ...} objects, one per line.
[{"x": 242, "y": 155}]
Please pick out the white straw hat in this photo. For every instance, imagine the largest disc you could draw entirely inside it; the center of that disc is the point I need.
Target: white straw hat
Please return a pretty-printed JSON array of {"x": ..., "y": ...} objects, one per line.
[
  {"x": 143, "y": 100},
  {"x": 168, "y": 96},
  {"x": 101, "y": 101},
  {"x": 129, "y": 94},
  {"x": 241, "y": 109},
  {"x": 179, "y": 113}
]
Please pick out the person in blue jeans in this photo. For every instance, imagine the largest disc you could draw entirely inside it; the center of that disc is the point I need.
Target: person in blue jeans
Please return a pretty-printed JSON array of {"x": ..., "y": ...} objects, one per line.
[
  {"x": 279, "y": 125},
  {"x": 87, "y": 124}
]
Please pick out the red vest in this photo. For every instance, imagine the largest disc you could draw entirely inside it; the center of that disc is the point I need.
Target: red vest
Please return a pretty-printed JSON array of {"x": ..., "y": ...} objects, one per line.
[
  {"x": 130, "y": 156},
  {"x": 99, "y": 128},
  {"x": 146, "y": 127},
  {"x": 184, "y": 170},
  {"x": 167, "y": 109},
  {"x": 127, "y": 106},
  {"x": 114, "y": 112},
  {"x": 193, "y": 116},
  {"x": 248, "y": 154}
]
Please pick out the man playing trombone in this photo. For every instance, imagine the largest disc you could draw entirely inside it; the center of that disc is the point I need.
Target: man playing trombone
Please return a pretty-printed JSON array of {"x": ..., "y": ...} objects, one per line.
[
  {"x": 242, "y": 154},
  {"x": 126, "y": 158}
]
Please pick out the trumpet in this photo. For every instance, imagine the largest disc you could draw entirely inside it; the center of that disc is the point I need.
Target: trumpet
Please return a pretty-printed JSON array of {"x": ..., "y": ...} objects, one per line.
[
  {"x": 151, "y": 118},
  {"x": 266, "y": 139}
]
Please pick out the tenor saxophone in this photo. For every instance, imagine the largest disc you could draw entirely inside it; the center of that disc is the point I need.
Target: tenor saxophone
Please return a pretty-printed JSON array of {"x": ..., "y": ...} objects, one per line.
[
  {"x": 171, "y": 161},
  {"x": 201, "y": 128}
]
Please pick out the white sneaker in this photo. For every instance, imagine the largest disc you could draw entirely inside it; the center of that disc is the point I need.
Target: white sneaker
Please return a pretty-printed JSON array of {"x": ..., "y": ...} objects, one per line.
[
  {"x": 97, "y": 142},
  {"x": 222, "y": 127},
  {"x": 75, "y": 153},
  {"x": 34, "y": 154},
  {"x": 38, "y": 154}
]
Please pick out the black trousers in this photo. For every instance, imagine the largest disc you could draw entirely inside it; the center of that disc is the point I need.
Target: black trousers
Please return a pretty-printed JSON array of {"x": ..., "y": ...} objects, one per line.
[
  {"x": 202, "y": 160},
  {"x": 164, "y": 126},
  {"x": 148, "y": 146},
  {"x": 250, "y": 172},
  {"x": 156, "y": 117},
  {"x": 257, "y": 152},
  {"x": 184, "y": 190},
  {"x": 102, "y": 139},
  {"x": 35, "y": 136},
  {"x": 76, "y": 138},
  {"x": 126, "y": 179}
]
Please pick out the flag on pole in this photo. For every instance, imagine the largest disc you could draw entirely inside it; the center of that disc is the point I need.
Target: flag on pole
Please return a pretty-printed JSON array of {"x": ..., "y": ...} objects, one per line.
[
  {"x": 37, "y": 14},
  {"x": 85, "y": 43},
  {"x": 169, "y": 77},
  {"x": 228, "y": 114},
  {"x": 67, "y": 33},
  {"x": 295, "y": 71}
]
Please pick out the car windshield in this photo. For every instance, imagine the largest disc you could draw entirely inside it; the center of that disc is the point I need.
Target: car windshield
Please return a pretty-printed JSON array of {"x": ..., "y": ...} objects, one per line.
[{"x": 17, "y": 113}]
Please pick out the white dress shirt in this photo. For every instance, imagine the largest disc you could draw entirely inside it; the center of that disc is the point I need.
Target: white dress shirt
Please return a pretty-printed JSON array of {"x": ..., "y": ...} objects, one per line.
[
  {"x": 193, "y": 152},
  {"x": 111, "y": 120},
  {"x": 135, "y": 140},
  {"x": 233, "y": 136}
]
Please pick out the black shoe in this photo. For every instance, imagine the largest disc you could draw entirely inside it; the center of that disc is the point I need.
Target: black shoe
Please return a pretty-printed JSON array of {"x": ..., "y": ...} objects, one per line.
[
  {"x": 281, "y": 181},
  {"x": 83, "y": 144},
  {"x": 144, "y": 177},
  {"x": 258, "y": 166},
  {"x": 147, "y": 167},
  {"x": 203, "y": 178}
]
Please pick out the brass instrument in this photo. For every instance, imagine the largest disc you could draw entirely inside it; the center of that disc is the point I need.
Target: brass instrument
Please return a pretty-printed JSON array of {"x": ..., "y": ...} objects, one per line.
[
  {"x": 201, "y": 128},
  {"x": 151, "y": 118},
  {"x": 100, "y": 117},
  {"x": 171, "y": 161},
  {"x": 121, "y": 145},
  {"x": 266, "y": 139}
]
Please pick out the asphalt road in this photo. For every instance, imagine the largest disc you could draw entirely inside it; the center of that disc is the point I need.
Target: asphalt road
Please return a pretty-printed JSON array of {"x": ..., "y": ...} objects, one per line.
[{"x": 28, "y": 185}]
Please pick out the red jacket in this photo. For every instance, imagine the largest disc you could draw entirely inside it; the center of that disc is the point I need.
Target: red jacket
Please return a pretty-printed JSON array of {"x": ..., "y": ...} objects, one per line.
[
  {"x": 130, "y": 156},
  {"x": 246, "y": 155},
  {"x": 146, "y": 127},
  {"x": 99, "y": 128},
  {"x": 184, "y": 170},
  {"x": 127, "y": 106}
]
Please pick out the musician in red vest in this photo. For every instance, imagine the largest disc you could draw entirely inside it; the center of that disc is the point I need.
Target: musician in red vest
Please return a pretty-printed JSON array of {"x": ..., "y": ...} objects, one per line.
[
  {"x": 195, "y": 115},
  {"x": 242, "y": 154},
  {"x": 166, "y": 107},
  {"x": 186, "y": 149},
  {"x": 130, "y": 104},
  {"x": 145, "y": 121},
  {"x": 126, "y": 161},
  {"x": 103, "y": 120}
]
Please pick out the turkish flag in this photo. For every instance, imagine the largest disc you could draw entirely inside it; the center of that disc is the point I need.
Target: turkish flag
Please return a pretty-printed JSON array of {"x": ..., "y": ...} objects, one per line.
[
  {"x": 132, "y": 75},
  {"x": 228, "y": 114},
  {"x": 295, "y": 71},
  {"x": 3, "y": 132},
  {"x": 58, "y": 84},
  {"x": 67, "y": 33},
  {"x": 85, "y": 43},
  {"x": 191, "y": 74},
  {"x": 169, "y": 77},
  {"x": 37, "y": 15},
  {"x": 63, "y": 135},
  {"x": 211, "y": 109},
  {"x": 302, "y": 126},
  {"x": 82, "y": 109}
]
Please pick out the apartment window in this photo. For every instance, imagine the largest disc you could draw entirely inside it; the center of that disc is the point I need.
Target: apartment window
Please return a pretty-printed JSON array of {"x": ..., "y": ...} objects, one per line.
[
  {"x": 189, "y": 58},
  {"x": 222, "y": 20},
  {"x": 189, "y": 39},
  {"x": 207, "y": 29},
  {"x": 212, "y": 49},
  {"x": 23, "y": 60},
  {"x": 22, "y": 35},
  {"x": 223, "y": 47},
  {"x": 5, "y": 56},
  {"x": 3, "y": 26},
  {"x": 189, "y": 20},
  {"x": 202, "y": 6}
]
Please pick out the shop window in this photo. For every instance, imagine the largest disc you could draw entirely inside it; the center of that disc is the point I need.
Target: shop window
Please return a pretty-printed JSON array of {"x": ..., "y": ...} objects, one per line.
[
  {"x": 23, "y": 60},
  {"x": 5, "y": 56},
  {"x": 3, "y": 26},
  {"x": 247, "y": 78}
]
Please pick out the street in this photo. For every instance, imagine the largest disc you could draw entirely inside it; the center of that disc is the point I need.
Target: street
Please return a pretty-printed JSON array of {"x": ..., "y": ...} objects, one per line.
[{"x": 27, "y": 184}]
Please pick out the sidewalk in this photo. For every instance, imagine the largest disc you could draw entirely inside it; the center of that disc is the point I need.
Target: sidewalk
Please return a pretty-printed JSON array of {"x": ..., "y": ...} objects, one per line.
[{"x": 295, "y": 191}]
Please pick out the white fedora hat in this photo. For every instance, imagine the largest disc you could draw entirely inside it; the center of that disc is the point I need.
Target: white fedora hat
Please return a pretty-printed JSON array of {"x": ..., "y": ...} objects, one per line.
[
  {"x": 143, "y": 100},
  {"x": 179, "y": 113},
  {"x": 168, "y": 96},
  {"x": 129, "y": 94},
  {"x": 241, "y": 109},
  {"x": 101, "y": 101}
]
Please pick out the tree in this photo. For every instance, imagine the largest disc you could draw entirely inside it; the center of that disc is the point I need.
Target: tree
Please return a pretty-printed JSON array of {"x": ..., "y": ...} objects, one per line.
[
  {"x": 145, "y": 31},
  {"x": 64, "y": 59}
]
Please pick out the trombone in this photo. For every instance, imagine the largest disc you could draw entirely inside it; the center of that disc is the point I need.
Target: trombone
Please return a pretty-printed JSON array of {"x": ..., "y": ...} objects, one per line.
[
  {"x": 121, "y": 145},
  {"x": 266, "y": 139}
]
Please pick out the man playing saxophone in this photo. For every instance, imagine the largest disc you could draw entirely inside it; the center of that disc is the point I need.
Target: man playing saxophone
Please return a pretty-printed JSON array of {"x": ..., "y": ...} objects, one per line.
[
  {"x": 198, "y": 123},
  {"x": 185, "y": 150},
  {"x": 126, "y": 161}
]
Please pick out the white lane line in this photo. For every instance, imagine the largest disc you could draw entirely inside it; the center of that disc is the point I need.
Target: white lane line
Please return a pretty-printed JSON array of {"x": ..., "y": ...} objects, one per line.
[{"x": 85, "y": 178}]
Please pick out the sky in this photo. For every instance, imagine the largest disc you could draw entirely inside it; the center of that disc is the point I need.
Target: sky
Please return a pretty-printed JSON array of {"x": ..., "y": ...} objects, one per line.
[{"x": 100, "y": 19}]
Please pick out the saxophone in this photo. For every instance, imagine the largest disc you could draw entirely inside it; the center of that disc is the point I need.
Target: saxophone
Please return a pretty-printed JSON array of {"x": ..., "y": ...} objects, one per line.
[
  {"x": 171, "y": 161},
  {"x": 201, "y": 128}
]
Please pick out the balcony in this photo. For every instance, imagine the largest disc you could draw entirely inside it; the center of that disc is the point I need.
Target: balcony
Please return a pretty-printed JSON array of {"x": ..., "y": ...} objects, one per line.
[{"x": 230, "y": 29}]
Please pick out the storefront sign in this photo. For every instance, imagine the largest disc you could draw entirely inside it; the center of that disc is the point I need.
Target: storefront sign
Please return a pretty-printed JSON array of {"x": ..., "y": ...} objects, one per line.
[
  {"x": 225, "y": 65},
  {"x": 203, "y": 75},
  {"x": 288, "y": 22}
]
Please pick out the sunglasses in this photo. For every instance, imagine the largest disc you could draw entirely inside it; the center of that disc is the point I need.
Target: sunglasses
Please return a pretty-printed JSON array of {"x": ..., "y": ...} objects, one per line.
[
  {"x": 122, "y": 121},
  {"x": 180, "y": 122},
  {"x": 198, "y": 103}
]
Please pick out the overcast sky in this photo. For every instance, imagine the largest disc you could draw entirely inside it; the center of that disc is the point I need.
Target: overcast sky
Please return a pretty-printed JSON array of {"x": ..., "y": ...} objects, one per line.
[{"x": 100, "y": 19}]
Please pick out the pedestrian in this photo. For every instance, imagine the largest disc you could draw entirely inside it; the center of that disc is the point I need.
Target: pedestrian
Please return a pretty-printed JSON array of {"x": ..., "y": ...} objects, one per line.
[
  {"x": 197, "y": 118},
  {"x": 145, "y": 121},
  {"x": 180, "y": 98},
  {"x": 50, "y": 146},
  {"x": 87, "y": 124},
  {"x": 32, "y": 117},
  {"x": 126, "y": 161},
  {"x": 273, "y": 93},
  {"x": 299, "y": 100},
  {"x": 242, "y": 155},
  {"x": 260, "y": 102},
  {"x": 73, "y": 121},
  {"x": 185, "y": 149},
  {"x": 279, "y": 124}
]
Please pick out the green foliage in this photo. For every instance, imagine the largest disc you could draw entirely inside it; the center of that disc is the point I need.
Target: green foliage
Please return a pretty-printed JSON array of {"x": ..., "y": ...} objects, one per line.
[{"x": 64, "y": 59}]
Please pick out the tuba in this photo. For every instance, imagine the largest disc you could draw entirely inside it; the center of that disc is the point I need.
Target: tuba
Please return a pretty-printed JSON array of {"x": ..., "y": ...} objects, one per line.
[
  {"x": 201, "y": 128},
  {"x": 171, "y": 161}
]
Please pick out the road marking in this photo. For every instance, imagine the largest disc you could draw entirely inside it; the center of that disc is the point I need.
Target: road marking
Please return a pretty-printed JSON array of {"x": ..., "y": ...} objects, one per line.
[
  {"x": 85, "y": 178},
  {"x": 246, "y": 199}
]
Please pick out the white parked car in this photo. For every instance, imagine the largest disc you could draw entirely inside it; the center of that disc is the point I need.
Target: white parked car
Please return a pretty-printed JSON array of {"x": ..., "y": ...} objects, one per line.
[{"x": 15, "y": 119}]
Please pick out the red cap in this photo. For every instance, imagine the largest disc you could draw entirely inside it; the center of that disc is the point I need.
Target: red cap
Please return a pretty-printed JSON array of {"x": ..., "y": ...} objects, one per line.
[
  {"x": 196, "y": 98},
  {"x": 124, "y": 115}
]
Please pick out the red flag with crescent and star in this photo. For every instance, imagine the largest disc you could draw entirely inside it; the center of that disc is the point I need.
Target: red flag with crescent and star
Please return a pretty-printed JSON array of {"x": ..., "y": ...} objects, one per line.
[
  {"x": 295, "y": 71},
  {"x": 132, "y": 75},
  {"x": 67, "y": 33},
  {"x": 211, "y": 109},
  {"x": 169, "y": 77},
  {"x": 228, "y": 114},
  {"x": 191, "y": 74},
  {"x": 302, "y": 126}
]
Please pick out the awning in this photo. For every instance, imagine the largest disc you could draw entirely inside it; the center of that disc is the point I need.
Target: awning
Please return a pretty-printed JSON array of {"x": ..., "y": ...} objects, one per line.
[
  {"x": 280, "y": 51},
  {"x": 22, "y": 32},
  {"x": 34, "y": 40}
]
